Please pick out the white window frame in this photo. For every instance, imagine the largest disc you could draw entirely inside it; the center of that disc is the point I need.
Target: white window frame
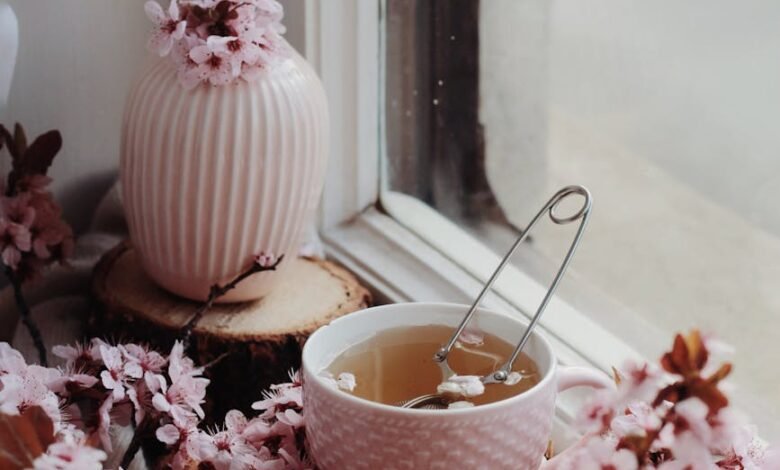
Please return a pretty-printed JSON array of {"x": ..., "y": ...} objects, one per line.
[{"x": 395, "y": 256}]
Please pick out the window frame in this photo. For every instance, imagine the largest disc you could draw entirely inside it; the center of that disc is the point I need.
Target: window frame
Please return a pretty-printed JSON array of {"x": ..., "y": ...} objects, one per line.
[{"x": 391, "y": 241}]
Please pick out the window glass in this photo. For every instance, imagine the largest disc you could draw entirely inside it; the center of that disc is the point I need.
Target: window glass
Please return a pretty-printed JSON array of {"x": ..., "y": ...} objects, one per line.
[{"x": 667, "y": 111}]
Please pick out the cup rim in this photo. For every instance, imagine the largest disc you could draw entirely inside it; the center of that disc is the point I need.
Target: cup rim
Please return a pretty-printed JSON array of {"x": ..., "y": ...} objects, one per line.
[{"x": 355, "y": 400}]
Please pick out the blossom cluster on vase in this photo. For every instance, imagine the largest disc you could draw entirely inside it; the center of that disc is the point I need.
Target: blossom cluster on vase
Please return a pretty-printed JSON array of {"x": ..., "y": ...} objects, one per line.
[
  {"x": 218, "y": 41},
  {"x": 674, "y": 417},
  {"x": 32, "y": 231}
]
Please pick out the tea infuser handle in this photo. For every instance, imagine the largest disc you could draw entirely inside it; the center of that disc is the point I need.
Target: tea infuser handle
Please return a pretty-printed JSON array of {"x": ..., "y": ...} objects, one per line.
[{"x": 583, "y": 214}]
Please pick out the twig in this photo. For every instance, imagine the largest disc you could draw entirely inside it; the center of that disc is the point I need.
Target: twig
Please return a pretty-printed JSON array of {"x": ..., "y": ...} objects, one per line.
[
  {"x": 218, "y": 291},
  {"x": 216, "y": 360},
  {"x": 24, "y": 312},
  {"x": 135, "y": 443},
  {"x": 215, "y": 293}
]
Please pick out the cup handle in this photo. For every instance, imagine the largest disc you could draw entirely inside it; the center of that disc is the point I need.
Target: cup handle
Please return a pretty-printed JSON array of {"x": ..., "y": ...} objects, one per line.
[{"x": 574, "y": 376}]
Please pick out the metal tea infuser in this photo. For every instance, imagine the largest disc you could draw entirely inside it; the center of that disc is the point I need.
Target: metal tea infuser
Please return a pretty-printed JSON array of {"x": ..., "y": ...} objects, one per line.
[{"x": 438, "y": 401}]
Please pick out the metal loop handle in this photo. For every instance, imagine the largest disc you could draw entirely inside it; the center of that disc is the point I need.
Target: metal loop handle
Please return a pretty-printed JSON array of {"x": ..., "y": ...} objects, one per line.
[{"x": 583, "y": 214}]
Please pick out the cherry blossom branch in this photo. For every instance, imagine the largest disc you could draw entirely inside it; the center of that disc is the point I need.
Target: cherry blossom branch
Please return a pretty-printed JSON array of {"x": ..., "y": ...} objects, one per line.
[
  {"x": 24, "y": 312},
  {"x": 259, "y": 265}
]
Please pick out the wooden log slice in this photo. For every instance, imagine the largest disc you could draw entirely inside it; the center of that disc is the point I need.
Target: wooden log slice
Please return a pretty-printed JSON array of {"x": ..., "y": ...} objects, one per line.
[{"x": 254, "y": 344}]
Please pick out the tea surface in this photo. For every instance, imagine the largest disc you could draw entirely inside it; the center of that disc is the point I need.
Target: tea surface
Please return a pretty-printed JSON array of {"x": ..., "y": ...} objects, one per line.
[{"x": 397, "y": 364}]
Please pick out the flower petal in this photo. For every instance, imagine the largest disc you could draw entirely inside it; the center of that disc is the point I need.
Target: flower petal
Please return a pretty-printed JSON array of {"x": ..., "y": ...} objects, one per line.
[
  {"x": 168, "y": 434},
  {"x": 155, "y": 12},
  {"x": 200, "y": 54}
]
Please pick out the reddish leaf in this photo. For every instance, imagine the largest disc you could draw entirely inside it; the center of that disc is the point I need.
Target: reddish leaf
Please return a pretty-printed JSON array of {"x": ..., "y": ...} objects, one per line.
[
  {"x": 671, "y": 393},
  {"x": 709, "y": 393},
  {"x": 676, "y": 360},
  {"x": 7, "y": 138},
  {"x": 222, "y": 8},
  {"x": 20, "y": 140},
  {"x": 721, "y": 373},
  {"x": 697, "y": 353},
  {"x": 24, "y": 437},
  {"x": 687, "y": 357},
  {"x": 616, "y": 376},
  {"x": 41, "y": 153}
]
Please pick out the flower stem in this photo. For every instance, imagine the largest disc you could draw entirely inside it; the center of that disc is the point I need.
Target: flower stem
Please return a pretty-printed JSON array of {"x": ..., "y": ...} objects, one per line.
[
  {"x": 218, "y": 291},
  {"x": 135, "y": 443},
  {"x": 24, "y": 312}
]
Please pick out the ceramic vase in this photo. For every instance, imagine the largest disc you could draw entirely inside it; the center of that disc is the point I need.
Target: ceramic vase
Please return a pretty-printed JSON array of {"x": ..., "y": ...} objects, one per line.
[{"x": 214, "y": 175}]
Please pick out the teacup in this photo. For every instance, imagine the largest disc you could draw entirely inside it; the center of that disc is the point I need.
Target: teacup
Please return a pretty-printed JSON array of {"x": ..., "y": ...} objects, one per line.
[{"x": 346, "y": 432}]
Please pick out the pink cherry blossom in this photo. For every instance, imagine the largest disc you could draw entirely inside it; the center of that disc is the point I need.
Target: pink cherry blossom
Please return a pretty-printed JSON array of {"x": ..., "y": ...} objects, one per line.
[
  {"x": 639, "y": 418},
  {"x": 280, "y": 397},
  {"x": 172, "y": 401},
  {"x": 17, "y": 209},
  {"x": 168, "y": 27},
  {"x": 146, "y": 359},
  {"x": 265, "y": 259},
  {"x": 11, "y": 360},
  {"x": 231, "y": 451},
  {"x": 692, "y": 417},
  {"x": 597, "y": 413},
  {"x": 49, "y": 232},
  {"x": 24, "y": 386},
  {"x": 747, "y": 452},
  {"x": 169, "y": 434},
  {"x": 257, "y": 431},
  {"x": 291, "y": 418},
  {"x": 269, "y": 14},
  {"x": 15, "y": 239},
  {"x": 181, "y": 366},
  {"x": 640, "y": 381},
  {"x": 601, "y": 455},
  {"x": 48, "y": 237},
  {"x": 94, "y": 348},
  {"x": 472, "y": 337},
  {"x": 274, "y": 49},
  {"x": 35, "y": 184},
  {"x": 213, "y": 66},
  {"x": 70, "y": 452},
  {"x": 346, "y": 381},
  {"x": 241, "y": 49},
  {"x": 114, "y": 375},
  {"x": 11, "y": 394},
  {"x": 462, "y": 385},
  {"x": 74, "y": 355},
  {"x": 187, "y": 390},
  {"x": 219, "y": 45},
  {"x": 70, "y": 378},
  {"x": 180, "y": 56}
]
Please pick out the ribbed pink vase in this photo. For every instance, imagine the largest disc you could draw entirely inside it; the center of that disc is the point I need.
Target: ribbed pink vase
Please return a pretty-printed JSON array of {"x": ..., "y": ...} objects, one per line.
[{"x": 214, "y": 175}]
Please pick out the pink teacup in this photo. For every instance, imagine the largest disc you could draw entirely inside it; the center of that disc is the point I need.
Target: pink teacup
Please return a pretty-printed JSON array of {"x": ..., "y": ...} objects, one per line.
[{"x": 346, "y": 432}]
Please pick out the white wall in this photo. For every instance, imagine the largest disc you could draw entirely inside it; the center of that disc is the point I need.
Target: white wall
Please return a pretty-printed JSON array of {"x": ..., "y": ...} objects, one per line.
[{"x": 77, "y": 59}]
